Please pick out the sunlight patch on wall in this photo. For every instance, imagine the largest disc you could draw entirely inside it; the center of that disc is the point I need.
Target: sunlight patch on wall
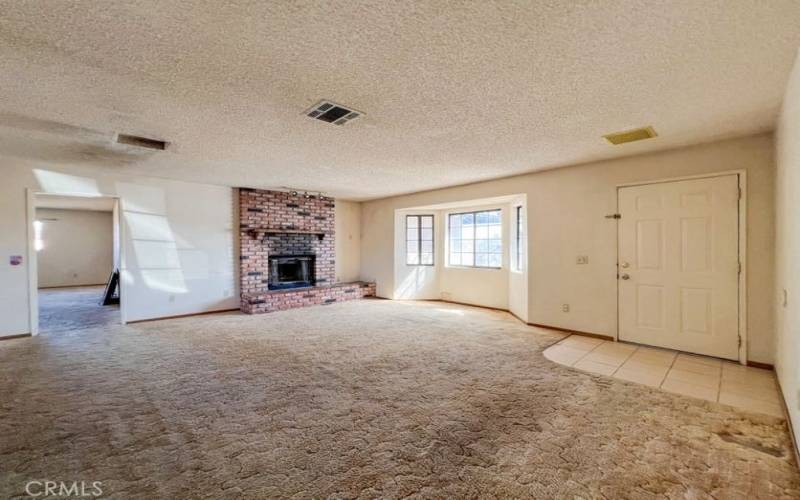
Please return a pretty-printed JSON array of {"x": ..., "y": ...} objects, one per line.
[
  {"x": 38, "y": 242},
  {"x": 56, "y": 182}
]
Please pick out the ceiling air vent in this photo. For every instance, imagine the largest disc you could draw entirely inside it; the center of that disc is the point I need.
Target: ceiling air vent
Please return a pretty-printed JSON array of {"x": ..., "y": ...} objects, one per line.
[
  {"x": 331, "y": 112},
  {"x": 141, "y": 142},
  {"x": 631, "y": 135}
]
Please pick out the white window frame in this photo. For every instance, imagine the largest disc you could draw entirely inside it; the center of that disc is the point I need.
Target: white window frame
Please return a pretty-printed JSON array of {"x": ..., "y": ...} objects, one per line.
[
  {"x": 449, "y": 239},
  {"x": 419, "y": 240}
]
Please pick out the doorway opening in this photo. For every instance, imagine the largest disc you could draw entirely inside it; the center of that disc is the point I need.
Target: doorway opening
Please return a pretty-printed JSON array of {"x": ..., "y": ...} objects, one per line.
[{"x": 76, "y": 247}]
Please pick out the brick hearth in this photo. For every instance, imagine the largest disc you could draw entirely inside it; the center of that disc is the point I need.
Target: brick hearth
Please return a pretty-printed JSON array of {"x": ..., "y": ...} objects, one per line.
[
  {"x": 279, "y": 223},
  {"x": 278, "y": 300}
]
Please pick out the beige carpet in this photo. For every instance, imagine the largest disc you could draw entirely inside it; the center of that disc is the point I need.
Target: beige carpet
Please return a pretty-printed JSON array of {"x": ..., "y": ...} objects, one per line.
[{"x": 360, "y": 400}]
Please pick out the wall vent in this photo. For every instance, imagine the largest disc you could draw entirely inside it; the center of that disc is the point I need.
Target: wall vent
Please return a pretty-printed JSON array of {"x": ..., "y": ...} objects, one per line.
[
  {"x": 141, "y": 142},
  {"x": 331, "y": 112},
  {"x": 631, "y": 135}
]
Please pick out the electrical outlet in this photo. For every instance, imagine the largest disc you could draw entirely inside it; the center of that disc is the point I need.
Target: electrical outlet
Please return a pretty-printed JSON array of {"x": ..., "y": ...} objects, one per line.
[
  {"x": 565, "y": 308},
  {"x": 582, "y": 259}
]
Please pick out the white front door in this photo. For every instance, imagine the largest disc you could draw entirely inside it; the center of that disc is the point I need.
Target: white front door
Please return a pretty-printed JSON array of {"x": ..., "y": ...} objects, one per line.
[{"x": 679, "y": 265}]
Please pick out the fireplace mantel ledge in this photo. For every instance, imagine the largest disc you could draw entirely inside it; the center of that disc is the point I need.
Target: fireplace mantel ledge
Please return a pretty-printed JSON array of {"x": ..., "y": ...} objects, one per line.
[{"x": 280, "y": 230}]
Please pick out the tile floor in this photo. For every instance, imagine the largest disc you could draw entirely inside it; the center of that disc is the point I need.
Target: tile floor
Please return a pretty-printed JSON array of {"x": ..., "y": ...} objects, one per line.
[{"x": 745, "y": 387}]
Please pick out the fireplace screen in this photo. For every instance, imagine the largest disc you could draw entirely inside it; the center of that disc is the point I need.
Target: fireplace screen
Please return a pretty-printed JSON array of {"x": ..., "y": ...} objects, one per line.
[{"x": 291, "y": 271}]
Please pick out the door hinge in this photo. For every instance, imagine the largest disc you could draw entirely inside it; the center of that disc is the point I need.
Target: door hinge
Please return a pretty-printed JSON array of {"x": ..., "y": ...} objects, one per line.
[
  {"x": 740, "y": 341},
  {"x": 614, "y": 216},
  {"x": 738, "y": 268}
]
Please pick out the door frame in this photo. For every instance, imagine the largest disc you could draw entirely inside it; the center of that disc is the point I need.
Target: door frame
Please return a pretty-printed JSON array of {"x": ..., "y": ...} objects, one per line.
[
  {"x": 33, "y": 263},
  {"x": 742, "y": 179}
]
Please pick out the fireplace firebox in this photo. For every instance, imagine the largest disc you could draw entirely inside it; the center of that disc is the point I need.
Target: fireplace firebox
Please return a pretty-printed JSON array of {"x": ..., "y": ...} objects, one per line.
[{"x": 290, "y": 271}]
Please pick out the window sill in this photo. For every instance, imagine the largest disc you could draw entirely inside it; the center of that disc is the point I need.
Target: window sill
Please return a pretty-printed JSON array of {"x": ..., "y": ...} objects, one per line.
[{"x": 475, "y": 268}]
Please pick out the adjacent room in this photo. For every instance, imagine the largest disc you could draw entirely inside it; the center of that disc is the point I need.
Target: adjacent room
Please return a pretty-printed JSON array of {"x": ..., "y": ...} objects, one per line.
[
  {"x": 428, "y": 249},
  {"x": 76, "y": 240}
]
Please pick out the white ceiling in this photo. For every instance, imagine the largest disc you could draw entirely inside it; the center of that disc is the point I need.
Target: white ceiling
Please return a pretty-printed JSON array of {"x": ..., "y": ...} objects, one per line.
[
  {"x": 94, "y": 203},
  {"x": 454, "y": 92}
]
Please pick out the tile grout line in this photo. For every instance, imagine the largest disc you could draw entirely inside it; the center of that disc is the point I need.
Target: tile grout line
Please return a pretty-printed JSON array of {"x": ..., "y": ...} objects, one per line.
[
  {"x": 587, "y": 353},
  {"x": 671, "y": 366},
  {"x": 625, "y": 361}
]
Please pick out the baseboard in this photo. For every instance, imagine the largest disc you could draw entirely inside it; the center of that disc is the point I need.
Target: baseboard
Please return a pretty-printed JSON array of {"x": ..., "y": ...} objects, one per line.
[
  {"x": 12, "y": 337},
  {"x": 181, "y": 316},
  {"x": 566, "y": 330},
  {"x": 792, "y": 434},
  {"x": 474, "y": 305},
  {"x": 575, "y": 332},
  {"x": 758, "y": 364},
  {"x": 70, "y": 286}
]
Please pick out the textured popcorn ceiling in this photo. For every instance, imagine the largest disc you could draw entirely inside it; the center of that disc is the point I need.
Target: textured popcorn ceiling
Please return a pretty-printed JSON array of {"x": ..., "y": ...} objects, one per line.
[{"x": 454, "y": 92}]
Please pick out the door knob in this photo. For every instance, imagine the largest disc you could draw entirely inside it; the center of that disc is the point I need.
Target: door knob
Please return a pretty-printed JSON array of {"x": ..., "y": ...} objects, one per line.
[
  {"x": 625, "y": 265},
  {"x": 625, "y": 277}
]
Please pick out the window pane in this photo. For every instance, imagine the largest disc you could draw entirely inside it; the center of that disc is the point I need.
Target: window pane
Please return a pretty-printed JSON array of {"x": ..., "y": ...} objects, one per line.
[
  {"x": 495, "y": 231},
  {"x": 482, "y": 217},
  {"x": 467, "y": 259},
  {"x": 494, "y": 217},
  {"x": 495, "y": 260},
  {"x": 455, "y": 220},
  {"x": 427, "y": 247},
  {"x": 482, "y": 232},
  {"x": 455, "y": 259},
  {"x": 495, "y": 246},
  {"x": 419, "y": 227},
  {"x": 467, "y": 219},
  {"x": 481, "y": 259},
  {"x": 482, "y": 245},
  {"x": 467, "y": 246},
  {"x": 468, "y": 232},
  {"x": 455, "y": 245}
]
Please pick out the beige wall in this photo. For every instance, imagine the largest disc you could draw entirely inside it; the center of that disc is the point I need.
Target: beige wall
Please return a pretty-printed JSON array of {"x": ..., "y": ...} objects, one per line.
[
  {"x": 787, "y": 248},
  {"x": 348, "y": 240},
  {"x": 77, "y": 247},
  {"x": 565, "y": 215}
]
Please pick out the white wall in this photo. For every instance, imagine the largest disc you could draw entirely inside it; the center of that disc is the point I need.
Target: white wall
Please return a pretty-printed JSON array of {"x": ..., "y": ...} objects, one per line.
[
  {"x": 77, "y": 247},
  {"x": 787, "y": 248},
  {"x": 565, "y": 218},
  {"x": 347, "y": 240},
  {"x": 177, "y": 239}
]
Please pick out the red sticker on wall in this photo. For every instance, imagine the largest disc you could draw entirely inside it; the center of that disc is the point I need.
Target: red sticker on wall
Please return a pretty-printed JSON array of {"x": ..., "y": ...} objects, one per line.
[{"x": 15, "y": 260}]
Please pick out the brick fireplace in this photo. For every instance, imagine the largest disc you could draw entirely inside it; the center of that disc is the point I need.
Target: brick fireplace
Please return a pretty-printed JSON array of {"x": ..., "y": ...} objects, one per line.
[{"x": 279, "y": 230}]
